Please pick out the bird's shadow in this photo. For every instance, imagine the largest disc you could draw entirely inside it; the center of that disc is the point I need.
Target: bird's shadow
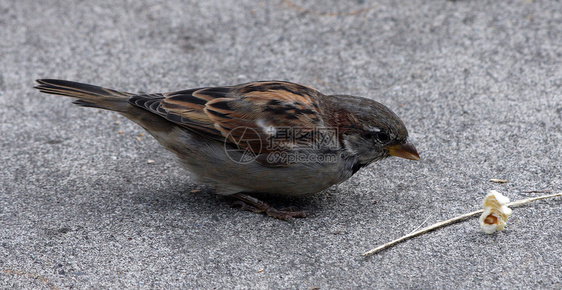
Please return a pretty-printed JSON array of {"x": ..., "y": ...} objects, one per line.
[{"x": 202, "y": 200}]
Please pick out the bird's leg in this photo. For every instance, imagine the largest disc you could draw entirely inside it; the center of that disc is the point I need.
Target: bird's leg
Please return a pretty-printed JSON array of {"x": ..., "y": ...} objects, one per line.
[{"x": 253, "y": 204}]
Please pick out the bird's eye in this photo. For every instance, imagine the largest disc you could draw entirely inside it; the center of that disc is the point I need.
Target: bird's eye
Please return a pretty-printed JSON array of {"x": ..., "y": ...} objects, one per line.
[{"x": 382, "y": 136}]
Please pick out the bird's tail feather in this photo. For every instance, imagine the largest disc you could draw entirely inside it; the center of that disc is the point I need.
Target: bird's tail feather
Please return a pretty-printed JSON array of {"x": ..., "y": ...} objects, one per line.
[
  {"x": 87, "y": 95},
  {"x": 102, "y": 98}
]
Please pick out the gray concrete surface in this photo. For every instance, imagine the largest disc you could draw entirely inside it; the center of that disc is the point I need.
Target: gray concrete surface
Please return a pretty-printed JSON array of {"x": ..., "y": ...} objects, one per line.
[{"x": 478, "y": 83}]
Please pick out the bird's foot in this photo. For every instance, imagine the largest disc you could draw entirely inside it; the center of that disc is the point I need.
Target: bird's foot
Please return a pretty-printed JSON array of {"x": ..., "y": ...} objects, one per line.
[{"x": 249, "y": 203}]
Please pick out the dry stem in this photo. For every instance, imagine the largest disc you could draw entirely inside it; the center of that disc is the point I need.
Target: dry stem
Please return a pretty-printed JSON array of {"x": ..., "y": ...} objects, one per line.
[{"x": 451, "y": 221}]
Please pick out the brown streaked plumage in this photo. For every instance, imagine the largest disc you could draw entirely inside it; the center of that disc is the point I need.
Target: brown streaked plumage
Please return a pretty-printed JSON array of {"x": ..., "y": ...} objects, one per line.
[{"x": 260, "y": 137}]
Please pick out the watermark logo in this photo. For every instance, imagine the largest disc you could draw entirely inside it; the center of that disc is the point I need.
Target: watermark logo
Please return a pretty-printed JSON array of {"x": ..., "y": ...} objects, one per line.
[
  {"x": 284, "y": 145},
  {"x": 247, "y": 145},
  {"x": 286, "y": 157}
]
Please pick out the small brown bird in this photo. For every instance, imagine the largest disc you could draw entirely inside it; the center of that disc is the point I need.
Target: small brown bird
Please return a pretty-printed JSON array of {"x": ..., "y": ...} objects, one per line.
[{"x": 261, "y": 137}]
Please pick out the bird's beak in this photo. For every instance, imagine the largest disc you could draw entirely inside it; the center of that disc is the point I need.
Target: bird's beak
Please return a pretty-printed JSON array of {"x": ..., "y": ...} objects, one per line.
[{"x": 406, "y": 150}]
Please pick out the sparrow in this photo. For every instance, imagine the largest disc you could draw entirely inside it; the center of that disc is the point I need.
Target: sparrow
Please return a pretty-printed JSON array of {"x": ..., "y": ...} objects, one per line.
[{"x": 273, "y": 137}]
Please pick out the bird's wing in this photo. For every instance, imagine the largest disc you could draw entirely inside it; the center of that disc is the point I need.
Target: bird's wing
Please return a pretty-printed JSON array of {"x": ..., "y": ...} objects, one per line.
[{"x": 247, "y": 115}]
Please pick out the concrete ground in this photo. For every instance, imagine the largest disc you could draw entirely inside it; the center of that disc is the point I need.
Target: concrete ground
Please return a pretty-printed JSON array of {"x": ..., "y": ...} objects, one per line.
[{"x": 478, "y": 84}]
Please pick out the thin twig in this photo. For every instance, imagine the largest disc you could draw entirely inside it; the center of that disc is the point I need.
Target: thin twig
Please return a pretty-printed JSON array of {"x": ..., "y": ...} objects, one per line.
[
  {"x": 527, "y": 200},
  {"x": 451, "y": 221},
  {"x": 34, "y": 276},
  {"x": 537, "y": 191},
  {"x": 423, "y": 223},
  {"x": 301, "y": 9},
  {"x": 424, "y": 230}
]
